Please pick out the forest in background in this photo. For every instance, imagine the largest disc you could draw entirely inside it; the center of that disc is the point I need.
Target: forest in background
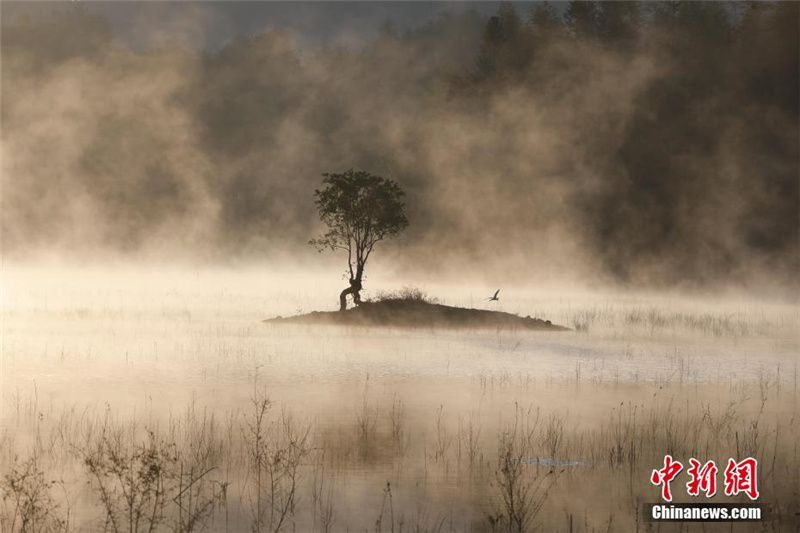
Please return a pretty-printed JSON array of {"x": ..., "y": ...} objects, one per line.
[{"x": 651, "y": 144}]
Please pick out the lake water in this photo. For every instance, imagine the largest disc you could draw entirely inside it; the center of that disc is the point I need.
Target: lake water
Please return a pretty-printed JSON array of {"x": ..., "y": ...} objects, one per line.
[{"x": 145, "y": 345}]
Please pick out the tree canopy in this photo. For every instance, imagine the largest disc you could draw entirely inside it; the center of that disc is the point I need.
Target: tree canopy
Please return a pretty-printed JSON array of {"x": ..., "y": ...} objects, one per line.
[{"x": 360, "y": 210}]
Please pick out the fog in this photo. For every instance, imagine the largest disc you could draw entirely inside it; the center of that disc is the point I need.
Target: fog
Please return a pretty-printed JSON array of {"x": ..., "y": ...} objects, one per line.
[
  {"x": 661, "y": 155},
  {"x": 625, "y": 170},
  {"x": 115, "y": 364}
]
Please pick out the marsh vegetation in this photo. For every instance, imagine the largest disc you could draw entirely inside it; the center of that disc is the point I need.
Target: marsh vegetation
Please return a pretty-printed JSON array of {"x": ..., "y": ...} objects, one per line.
[{"x": 175, "y": 409}]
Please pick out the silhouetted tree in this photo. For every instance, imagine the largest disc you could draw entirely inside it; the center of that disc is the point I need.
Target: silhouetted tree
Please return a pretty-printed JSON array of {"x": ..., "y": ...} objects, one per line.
[
  {"x": 510, "y": 23},
  {"x": 544, "y": 20},
  {"x": 543, "y": 28},
  {"x": 360, "y": 210},
  {"x": 618, "y": 23},
  {"x": 502, "y": 52},
  {"x": 582, "y": 18},
  {"x": 486, "y": 62}
]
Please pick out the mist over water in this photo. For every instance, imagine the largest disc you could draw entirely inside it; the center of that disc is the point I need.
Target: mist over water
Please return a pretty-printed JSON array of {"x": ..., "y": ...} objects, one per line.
[
  {"x": 659, "y": 151},
  {"x": 92, "y": 355},
  {"x": 626, "y": 170}
]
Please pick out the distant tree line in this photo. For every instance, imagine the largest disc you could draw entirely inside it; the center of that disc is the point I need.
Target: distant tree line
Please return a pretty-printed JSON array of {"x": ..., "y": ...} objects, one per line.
[
  {"x": 650, "y": 142},
  {"x": 728, "y": 77}
]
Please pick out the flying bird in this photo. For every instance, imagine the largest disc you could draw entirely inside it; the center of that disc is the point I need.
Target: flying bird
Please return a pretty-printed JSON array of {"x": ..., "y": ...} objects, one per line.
[{"x": 495, "y": 298}]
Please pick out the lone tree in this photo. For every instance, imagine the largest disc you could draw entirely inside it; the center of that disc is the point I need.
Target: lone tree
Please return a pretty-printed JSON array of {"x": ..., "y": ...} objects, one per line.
[{"x": 360, "y": 210}]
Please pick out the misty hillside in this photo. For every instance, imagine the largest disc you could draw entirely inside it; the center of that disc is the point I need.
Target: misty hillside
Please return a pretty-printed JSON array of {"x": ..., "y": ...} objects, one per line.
[{"x": 647, "y": 143}]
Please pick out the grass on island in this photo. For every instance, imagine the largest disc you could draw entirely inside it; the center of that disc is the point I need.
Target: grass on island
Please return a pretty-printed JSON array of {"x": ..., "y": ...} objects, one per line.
[{"x": 412, "y": 308}]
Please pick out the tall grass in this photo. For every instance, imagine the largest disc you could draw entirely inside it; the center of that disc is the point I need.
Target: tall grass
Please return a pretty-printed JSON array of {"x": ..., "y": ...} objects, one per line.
[
  {"x": 265, "y": 470},
  {"x": 510, "y": 448}
]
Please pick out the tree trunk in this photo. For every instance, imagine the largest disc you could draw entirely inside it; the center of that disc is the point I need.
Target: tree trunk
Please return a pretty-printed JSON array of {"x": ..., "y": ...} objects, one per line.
[
  {"x": 343, "y": 298},
  {"x": 355, "y": 290}
]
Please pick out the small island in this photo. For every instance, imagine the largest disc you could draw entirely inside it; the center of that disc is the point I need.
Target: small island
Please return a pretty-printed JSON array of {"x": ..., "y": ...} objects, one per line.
[
  {"x": 360, "y": 210},
  {"x": 418, "y": 313}
]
